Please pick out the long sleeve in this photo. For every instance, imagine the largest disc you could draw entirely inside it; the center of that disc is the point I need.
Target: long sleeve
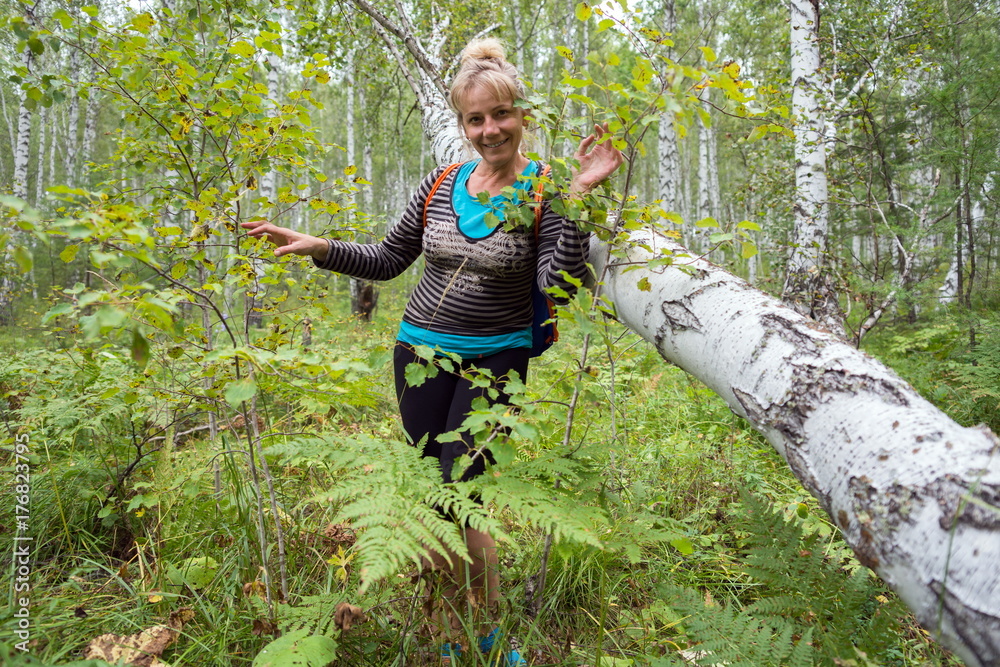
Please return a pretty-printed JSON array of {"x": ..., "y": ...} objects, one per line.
[
  {"x": 561, "y": 247},
  {"x": 390, "y": 257}
]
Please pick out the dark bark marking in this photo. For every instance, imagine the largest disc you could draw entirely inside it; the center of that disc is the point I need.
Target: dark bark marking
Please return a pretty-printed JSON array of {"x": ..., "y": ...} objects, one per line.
[
  {"x": 979, "y": 629},
  {"x": 680, "y": 317},
  {"x": 879, "y": 512},
  {"x": 978, "y": 507}
]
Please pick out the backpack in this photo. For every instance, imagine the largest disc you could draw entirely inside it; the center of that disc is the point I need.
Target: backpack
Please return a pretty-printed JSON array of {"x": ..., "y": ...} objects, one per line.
[{"x": 543, "y": 326}]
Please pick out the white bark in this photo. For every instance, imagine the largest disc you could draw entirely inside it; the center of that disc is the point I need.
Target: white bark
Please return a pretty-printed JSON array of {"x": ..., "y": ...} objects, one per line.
[
  {"x": 43, "y": 126},
  {"x": 811, "y": 211},
  {"x": 23, "y": 146},
  {"x": 807, "y": 287},
  {"x": 670, "y": 163},
  {"x": 916, "y": 496},
  {"x": 90, "y": 126}
]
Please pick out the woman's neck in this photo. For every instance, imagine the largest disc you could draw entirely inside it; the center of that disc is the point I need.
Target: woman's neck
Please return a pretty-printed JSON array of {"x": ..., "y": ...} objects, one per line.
[{"x": 488, "y": 178}]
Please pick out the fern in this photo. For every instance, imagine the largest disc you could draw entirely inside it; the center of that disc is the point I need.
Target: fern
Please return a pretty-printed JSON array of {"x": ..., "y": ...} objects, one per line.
[
  {"x": 314, "y": 613},
  {"x": 810, "y": 610},
  {"x": 724, "y": 635},
  {"x": 390, "y": 495}
]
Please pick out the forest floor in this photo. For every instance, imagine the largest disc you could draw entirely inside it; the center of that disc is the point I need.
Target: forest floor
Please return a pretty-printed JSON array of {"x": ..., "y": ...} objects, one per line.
[{"x": 703, "y": 548}]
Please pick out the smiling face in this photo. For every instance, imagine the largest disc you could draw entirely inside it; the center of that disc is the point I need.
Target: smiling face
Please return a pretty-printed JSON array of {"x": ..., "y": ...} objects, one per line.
[{"x": 495, "y": 127}]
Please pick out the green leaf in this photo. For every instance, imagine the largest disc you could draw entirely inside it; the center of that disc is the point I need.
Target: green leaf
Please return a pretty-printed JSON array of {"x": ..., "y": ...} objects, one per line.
[
  {"x": 140, "y": 348},
  {"x": 13, "y": 202},
  {"x": 757, "y": 133},
  {"x": 748, "y": 249},
  {"x": 583, "y": 11},
  {"x": 242, "y": 48},
  {"x": 298, "y": 649},
  {"x": 143, "y": 22},
  {"x": 196, "y": 572},
  {"x": 709, "y": 53},
  {"x": 416, "y": 373},
  {"x": 503, "y": 452},
  {"x": 63, "y": 17},
  {"x": 644, "y": 285},
  {"x": 707, "y": 222},
  {"x": 22, "y": 256},
  {"x": 68, "y": 253},
  {"x": 104, "y": 319},
  {"x": 56, "y": 311},
  {"x": 747, "y": 224},
  {"x": 239, "y": 391},
  {"x": 90, "y": 10},
  {"x": 683, "y": 545}
]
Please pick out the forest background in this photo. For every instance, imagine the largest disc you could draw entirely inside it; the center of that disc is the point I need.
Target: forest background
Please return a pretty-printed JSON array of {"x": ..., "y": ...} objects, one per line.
[{"x": 207, "y": 436}]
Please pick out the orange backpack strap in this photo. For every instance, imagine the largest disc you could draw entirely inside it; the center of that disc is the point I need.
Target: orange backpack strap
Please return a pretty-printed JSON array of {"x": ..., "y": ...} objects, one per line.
[
  {"x": 440, "y": 179},
  {"x": 539, "y": 195}
]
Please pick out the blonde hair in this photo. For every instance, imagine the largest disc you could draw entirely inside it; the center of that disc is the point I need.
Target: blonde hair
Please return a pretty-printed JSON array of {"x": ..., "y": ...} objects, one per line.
[{"x": 484, "y": 64}]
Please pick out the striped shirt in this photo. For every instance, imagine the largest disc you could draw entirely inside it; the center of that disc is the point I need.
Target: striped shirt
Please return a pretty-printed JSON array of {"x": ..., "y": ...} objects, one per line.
[{"x": 469, "y": 287}]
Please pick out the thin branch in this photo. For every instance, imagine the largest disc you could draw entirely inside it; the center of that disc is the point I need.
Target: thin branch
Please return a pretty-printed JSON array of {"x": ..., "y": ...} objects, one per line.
[{"x": 412, "y": 45}]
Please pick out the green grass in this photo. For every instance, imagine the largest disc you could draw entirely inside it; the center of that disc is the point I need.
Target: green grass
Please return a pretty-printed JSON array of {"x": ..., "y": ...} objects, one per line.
[{"x": 667, "y": 462}]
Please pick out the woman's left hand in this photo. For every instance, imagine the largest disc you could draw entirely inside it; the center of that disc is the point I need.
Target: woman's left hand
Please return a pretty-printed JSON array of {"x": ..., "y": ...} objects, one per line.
[{"x": 596, "y": 163}]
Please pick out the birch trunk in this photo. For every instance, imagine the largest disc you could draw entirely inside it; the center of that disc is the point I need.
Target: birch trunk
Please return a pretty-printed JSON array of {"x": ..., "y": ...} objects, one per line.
[
  {"x": 43, "y": 125},
  {"x": 23, "y": 145},
  {"x": 808, "y": 288},
  {"x": 670, "y": 158},
  {"x": 916, "y": 496}
]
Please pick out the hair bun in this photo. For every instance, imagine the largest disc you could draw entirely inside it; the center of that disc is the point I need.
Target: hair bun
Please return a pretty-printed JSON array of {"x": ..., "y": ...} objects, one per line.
[{"x": 484, "y": 49}]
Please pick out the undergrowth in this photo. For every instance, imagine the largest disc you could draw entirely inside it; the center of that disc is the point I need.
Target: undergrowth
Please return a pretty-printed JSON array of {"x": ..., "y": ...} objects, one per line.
[{"x": 680, "y": 536}]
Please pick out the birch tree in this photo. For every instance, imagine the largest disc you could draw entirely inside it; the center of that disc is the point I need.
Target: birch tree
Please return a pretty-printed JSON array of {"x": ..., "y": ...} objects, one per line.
[
  {"x": 916, "y": 496},
  {"x": 23, "y": 143},
  {"x": 808, "y": 287},
  {"x": 670, "y": 159}
]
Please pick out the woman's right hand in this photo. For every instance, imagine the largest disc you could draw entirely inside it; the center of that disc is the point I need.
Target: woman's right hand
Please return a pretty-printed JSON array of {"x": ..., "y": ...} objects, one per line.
[{"x": 289, "y": 241}]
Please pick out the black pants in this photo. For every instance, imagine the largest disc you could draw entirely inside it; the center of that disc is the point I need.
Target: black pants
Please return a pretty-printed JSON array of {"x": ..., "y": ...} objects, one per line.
[{"x": 441, "y": 404}]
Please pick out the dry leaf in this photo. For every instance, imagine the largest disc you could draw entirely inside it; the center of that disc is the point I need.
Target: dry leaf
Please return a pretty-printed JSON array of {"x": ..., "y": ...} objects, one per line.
[
  {"x": 142, "y": 649},
  {"x": 264, "y": 627},
  {"x": 255, "y": 588},
  {"x": 340, "y": 534},
  {"x": 347, "y": 615}
]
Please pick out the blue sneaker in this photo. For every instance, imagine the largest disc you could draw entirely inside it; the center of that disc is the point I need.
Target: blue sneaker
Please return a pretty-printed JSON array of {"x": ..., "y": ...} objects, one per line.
[
  {"x": 450, "y": 651},
  {"x": 511, "y": 658}
]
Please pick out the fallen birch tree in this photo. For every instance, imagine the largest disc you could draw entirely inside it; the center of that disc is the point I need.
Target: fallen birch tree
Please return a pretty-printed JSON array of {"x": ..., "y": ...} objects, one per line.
[{"x": 916, "y": 496}]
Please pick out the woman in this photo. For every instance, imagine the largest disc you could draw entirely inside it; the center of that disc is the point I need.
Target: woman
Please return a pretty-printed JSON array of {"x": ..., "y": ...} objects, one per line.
[{"x": 474, "y": 297}]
